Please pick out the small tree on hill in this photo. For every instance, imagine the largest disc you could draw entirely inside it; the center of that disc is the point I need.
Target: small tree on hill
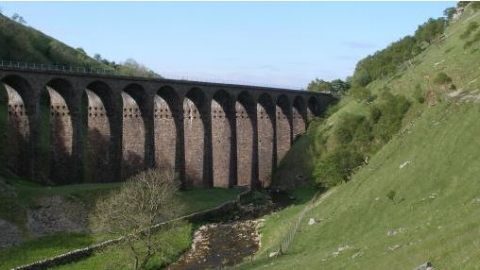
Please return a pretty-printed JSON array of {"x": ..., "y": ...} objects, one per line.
[{"x": 132, "y": 211}]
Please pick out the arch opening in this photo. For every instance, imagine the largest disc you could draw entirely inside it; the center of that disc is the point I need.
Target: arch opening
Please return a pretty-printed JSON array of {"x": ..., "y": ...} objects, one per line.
[
  {"x": 194, "y": 122},
  {"x": 265, "y": 130},
  {"x": 57, "y": 162},
  {"x": 14, "y": 126},
  {"x": 98, "y": 144},
  {"x": 283, "y": 128},
  {"x": 299, "y": 117},
  {"x": 222, "y": 154},
  {"x": 133, "y": 133},
  {"x": 244, "y": 115},
  {"x": 166, "y": 130}
]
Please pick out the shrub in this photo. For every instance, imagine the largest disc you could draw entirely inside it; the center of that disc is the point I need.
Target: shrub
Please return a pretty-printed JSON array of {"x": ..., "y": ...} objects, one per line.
[
  {"x": 472, "y": 26},
  {"x": 337, "y": 166},
  {"x": 418, "y": 94},
  {"x": 361, "y": 93},
  {"x": 442, "y": 79}
]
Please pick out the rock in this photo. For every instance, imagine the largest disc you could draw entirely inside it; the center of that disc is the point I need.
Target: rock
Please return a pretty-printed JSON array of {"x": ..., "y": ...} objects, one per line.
[
  {"x": 424, "y": 266},
  {"x": 10, "y": 234},
  {"x": 273, "y": 254},
  {"x": 311, "y": 221}
]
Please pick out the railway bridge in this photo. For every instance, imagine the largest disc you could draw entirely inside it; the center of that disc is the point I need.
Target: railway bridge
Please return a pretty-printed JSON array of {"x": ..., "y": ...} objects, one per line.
[{"x": 64, "y": 127}]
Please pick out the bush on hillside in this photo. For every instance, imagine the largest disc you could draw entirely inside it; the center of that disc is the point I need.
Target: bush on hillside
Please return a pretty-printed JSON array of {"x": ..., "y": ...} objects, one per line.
[
  {"x": 418, "y": 94},
  {"x": 392, "y": 110},
  {"x": 361, "y": 94},
  {"x": 472, "y": 26},
  {"x": 337, "y": 166},
  {"x": 442, "y": 79}
]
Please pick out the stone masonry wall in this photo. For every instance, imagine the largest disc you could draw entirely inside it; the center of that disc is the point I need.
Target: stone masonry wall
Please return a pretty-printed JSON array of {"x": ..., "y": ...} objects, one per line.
[
  {"x": 194, "y": 144},
  {"x": 244, "y": 146},
  {"x": 17, "y": 132},
  {"x": 165, "y": 134},
  {"x": 133, "y": 137},
  {"x": 98, "y": 165},
  {"x": 221, "y": 146},
  {"x": 265, "y": 146}
]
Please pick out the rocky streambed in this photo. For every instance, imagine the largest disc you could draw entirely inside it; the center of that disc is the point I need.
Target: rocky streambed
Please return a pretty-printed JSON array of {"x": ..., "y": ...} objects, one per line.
[
  {"x": 221, "y": 244},
  {"x": 228, "y": 243}
]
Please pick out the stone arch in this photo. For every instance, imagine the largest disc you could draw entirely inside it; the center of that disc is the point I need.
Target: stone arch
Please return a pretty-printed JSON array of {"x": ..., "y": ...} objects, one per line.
[
  {"x": 98, "y": 111},
  {"x": 283, "y": 127},
  {"x": 246, "y": 160},
  {"x": 15, "y": 107},
  {"x": 222, "y": 133},
  {"x": 57, "y": 159},
  {"x": 265, "y": 130},
  {"x": 167, "y": 135},
  {"x": 194, "y": 125},
  {"x": 299, "y": 116},
  {"x": 134, "y": 130},
  {"x": 312, "y": 108}
]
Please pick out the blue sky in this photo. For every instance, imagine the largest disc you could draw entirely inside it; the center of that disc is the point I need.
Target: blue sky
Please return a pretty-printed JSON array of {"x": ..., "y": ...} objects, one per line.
[{"x": 285, "y": 44}]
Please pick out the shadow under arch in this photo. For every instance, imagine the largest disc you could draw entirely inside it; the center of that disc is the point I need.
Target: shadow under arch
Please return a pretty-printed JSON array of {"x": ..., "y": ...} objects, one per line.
[
  {"x": 196, "y": 128},
  {"x": 266, "y": 138},
  {"x": 246, "y": 140},
  {"x": 312, "y": 108},
  {"x": 134, "y": 131},
  {"x": 299, "y": 117},
  {"x": 58, "y": 165},
  {"x": 283, "y": 127},
  {"x": 16, "y": 107},
  {"x": 168, "y": 132},
  {"x": 223, "y": 151},
  {"x": 99, "y": 114}
]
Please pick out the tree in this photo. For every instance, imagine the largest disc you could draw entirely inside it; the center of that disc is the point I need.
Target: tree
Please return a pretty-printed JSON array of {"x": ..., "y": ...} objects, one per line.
[
  {"x": 340, "y": 87},
  {"x": 319, "y": 86},
  {"x": 142, "y": 202},
  {"x": 18, "y": 18},
  {"x": 428, "y": 31},
  {"x": 97, "y": 57},
  {"x": 449, "y": 12}
]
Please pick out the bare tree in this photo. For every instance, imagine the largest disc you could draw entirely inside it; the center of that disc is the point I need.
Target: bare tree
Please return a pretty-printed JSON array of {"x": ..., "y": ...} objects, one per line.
[{"x": 142, "y": 202}]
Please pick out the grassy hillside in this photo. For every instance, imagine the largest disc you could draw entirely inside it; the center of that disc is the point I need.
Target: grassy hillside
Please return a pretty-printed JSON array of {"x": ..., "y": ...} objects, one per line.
[{"x": 417, "y": 198}]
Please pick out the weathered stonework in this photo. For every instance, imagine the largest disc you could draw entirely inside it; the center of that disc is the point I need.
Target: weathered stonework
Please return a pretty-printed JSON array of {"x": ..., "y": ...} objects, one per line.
[{"x": 77, "y": 128}]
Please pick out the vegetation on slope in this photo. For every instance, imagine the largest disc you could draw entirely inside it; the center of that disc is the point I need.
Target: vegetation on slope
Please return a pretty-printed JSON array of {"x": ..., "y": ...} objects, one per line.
[
  {"x": 21, "y": 43},
  {"x": 416, "y": 197}
]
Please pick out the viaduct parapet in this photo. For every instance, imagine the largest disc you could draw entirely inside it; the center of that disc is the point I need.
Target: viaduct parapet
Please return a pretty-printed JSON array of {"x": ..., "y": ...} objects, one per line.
[{"x": 69, "y": 127}]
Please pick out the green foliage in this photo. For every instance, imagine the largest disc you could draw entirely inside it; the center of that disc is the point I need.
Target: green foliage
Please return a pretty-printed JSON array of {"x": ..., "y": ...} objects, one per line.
[
  {"x": 391, "y": 195},
  {"x": 361, "y": 93},
  {"x": 337, "y": 166},
  {"x": 472, "y": 26},
  {"x": 25, "y": 44},
  {"x": 319, "y": 86},
  {"x": 387, "y": 116},
  {"x": 430, "y": 30},
  {"x": 386, "y": 61},
  {"x": 475, "y": 6},
  {"x": 449, "y": 12},
  {"x": 418, "y": 94},
  {"x": 442, "y": 78}
]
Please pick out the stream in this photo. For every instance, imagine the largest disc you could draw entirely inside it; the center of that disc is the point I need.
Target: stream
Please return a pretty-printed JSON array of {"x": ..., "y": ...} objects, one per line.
[{"x": 227, "y": 243}]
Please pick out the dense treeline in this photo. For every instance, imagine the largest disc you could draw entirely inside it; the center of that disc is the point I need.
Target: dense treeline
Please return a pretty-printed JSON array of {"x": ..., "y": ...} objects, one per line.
[{"x": 21, "y": 43}]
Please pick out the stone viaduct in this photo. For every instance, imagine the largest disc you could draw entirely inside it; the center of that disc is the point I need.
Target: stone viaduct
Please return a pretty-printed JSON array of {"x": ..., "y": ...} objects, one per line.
[{"x": 65, "y": 127}]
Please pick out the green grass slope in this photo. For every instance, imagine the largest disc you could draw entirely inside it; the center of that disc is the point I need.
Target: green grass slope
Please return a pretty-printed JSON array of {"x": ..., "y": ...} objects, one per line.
[{"x": 418, "y": 198}]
